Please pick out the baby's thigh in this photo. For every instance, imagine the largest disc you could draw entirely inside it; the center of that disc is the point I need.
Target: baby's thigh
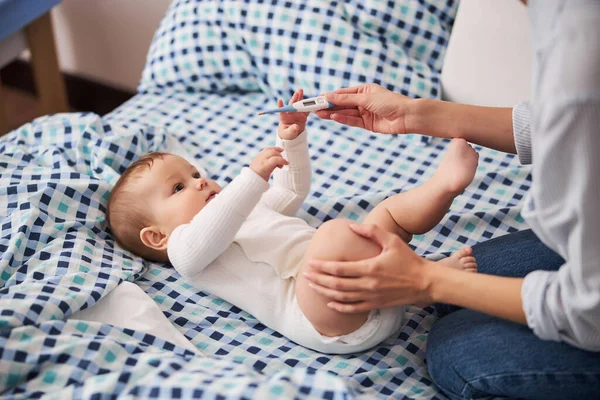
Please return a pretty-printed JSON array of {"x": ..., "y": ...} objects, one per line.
[{"x": 333, "y": 241}]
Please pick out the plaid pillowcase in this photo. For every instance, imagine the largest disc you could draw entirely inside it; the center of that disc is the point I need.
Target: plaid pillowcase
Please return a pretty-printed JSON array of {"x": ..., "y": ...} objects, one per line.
[{"x": 278, "y": 46}]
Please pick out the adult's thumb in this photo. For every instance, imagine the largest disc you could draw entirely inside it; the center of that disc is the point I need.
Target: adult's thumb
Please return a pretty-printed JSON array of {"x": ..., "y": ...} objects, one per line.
[
  {"x": 374, "y": 233},
  {"x": 348, "y": 100}
]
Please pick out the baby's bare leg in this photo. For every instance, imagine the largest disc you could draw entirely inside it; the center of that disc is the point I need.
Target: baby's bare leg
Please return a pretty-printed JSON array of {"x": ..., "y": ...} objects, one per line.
[
  {"x": 412, "y": 212},
  {"x": 420, "y": 209},
  {"x": 333, "y": 241}
]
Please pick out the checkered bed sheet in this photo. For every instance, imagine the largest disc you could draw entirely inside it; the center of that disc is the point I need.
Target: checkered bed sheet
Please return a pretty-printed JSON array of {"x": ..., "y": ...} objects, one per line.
[
  {"x": 353, "y": 171},
  {"x": 57, "y": 257}
]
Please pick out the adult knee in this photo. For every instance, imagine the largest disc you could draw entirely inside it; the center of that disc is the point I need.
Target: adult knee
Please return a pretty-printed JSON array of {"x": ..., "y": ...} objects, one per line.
[
  {"x": 474, "y": 355},
  {"x": 462, "y": 351}
]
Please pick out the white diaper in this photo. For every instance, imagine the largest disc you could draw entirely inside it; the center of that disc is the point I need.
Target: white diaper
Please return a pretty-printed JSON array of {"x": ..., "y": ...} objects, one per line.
[
  {"x": 360, "y": 335},
  {"x": 379, "y": 325}
]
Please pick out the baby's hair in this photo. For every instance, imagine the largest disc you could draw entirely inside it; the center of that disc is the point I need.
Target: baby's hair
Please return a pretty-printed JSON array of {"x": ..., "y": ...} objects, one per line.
[{"x": 125, "y": 216}]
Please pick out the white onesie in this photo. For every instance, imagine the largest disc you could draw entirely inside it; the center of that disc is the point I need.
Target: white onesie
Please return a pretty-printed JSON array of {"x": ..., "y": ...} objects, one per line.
[{"x": 246, "y": 247}]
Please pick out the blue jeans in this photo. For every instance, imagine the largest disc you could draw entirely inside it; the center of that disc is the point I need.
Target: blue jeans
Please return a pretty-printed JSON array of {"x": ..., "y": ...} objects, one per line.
[{"x": 471, "y": 355}]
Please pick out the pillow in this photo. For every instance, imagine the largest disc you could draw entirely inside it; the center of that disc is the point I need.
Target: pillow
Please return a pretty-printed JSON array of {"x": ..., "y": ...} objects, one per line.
[{"x": 278, "y": 46}]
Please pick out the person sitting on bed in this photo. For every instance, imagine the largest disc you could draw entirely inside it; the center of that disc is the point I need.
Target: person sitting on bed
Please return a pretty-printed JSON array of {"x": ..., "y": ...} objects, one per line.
[{"x": 243, "y": 243}]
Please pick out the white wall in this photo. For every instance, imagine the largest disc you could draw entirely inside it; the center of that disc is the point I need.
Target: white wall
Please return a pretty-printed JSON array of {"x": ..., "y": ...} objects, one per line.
[
  {"x": 106, "y": 40},
  {"x": 489, "y": 58}
]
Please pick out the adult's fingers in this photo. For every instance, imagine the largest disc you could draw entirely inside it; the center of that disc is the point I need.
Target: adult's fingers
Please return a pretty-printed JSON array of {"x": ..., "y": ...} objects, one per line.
[
  {"x": 326, "y": 114},
  {"x": 378, "y": 235},
  {"x": 353, "y": 308},
  {"x": 353, "y": 112},
  {"x": 349, "y": 269},
  {"x": 351, "y": 90},
  {"x": 323, "y": 114},
  {"x": 341, "y": 296},
  {"x": 347, "y": 100},
  {"x": 336, "y": 282},
  {"x": 348, "y": 120}
]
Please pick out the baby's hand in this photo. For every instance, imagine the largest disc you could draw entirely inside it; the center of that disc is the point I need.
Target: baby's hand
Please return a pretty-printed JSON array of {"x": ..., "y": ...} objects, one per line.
[
  {"x": 265, "y": 163},
  {"x": 292, "y": 124}
]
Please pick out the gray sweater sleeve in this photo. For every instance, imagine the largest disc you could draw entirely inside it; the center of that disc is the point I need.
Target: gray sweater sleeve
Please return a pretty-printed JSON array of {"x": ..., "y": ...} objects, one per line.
[{"x": 522, "y": 131}]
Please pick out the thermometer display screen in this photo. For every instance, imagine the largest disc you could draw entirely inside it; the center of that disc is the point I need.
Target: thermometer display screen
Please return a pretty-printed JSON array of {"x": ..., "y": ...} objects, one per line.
[{"x": 309, "y": 103}]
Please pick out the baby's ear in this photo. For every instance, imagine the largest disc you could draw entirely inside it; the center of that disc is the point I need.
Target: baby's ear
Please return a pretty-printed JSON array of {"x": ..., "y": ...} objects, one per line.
[{"x": 152, "y": 237}]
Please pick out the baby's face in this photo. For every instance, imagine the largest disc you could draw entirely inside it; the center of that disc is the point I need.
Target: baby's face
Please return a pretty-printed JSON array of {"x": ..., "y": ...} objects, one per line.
[{"x": 175, "y": 192}]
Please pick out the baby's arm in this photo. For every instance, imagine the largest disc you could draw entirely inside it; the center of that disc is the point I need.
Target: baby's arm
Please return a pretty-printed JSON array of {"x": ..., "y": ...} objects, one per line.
[
  {"x": 194, "y": 246},
  {"x": 291, "y": 184}
]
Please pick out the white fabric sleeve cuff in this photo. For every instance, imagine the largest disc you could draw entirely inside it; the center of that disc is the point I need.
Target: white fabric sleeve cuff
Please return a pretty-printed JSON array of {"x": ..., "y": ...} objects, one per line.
[
  {"x": 521, "y": 118},
  {"x": 533, "y": 294},
  {"x": 295, "y": 150},
  {"x": 294, "y": 177}
]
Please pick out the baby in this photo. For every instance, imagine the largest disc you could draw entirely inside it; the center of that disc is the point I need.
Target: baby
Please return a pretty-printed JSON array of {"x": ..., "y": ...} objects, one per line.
[{"x": 243, "y": 243}]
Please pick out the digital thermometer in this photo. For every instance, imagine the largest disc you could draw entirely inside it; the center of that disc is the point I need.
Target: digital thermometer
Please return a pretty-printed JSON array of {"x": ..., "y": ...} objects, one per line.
[{"x": 306, "y": 105}]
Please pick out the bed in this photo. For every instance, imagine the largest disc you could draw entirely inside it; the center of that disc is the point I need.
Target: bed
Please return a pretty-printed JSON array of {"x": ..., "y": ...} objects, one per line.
[{"x": 81, "y": 318}]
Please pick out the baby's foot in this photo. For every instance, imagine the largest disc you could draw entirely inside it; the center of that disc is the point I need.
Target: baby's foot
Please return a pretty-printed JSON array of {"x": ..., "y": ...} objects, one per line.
[
  {"x": 462, "y": 259},
  {"x": 458, "y": 166}
]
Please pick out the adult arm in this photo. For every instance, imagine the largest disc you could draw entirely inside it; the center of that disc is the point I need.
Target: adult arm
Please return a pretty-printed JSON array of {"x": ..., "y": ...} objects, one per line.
[
  {"x": 491, "y": 127},
  {"x": 192, "y": 247},
  {"x": 377, "y": 109},
  {"x": 399, "y": 276}
]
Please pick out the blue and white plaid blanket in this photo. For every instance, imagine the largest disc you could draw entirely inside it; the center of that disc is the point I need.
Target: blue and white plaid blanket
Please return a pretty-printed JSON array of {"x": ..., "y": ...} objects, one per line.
[{"x": 57, "y": 256}]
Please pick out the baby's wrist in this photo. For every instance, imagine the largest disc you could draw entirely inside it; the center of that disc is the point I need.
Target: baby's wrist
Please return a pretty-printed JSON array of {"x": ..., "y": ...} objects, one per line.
[
  {"x": 284, "y": 133},
  {"x": 283, "y": 137},
  {"x": 260, "y": 173}
]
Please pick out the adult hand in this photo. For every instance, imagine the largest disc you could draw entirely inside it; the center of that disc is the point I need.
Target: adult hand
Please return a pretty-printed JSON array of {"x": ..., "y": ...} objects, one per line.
[
  {"x": 369, "y": 107},
  {"x": 396, "y": 276}
]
